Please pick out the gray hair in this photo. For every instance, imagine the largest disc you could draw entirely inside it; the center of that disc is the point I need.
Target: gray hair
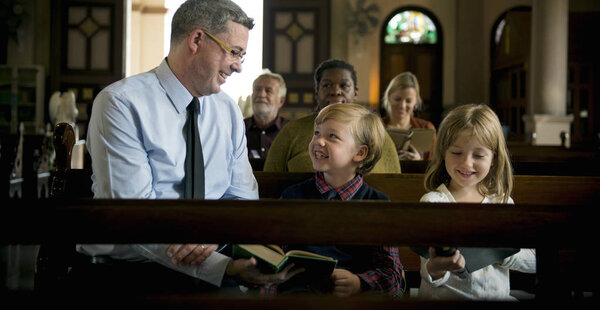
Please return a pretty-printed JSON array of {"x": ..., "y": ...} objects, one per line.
[
  {"x": 209, "y": 15},
  {"x": 278, "y": 78}
]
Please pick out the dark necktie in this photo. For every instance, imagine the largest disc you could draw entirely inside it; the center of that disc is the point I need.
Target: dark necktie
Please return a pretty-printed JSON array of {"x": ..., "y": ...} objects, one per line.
[{"x": 194, "y": 160}]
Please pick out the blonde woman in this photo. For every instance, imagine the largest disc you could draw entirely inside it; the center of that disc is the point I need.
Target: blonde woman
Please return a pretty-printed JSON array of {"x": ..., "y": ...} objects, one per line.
[{"x": 400, "y": 100}]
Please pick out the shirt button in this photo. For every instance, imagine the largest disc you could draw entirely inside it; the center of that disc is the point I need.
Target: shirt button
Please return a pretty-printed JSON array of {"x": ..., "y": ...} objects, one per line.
[
  {"x": 262, "y": 149},
  {"x": 263, "y": 132}
]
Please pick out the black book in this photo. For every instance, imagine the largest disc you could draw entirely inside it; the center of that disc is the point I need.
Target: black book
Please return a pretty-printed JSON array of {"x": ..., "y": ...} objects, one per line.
[{"x": 475, "y": 258}]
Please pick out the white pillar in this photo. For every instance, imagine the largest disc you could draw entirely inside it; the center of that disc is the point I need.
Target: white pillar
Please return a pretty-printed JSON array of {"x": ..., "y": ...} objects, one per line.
[{"x": 546, "y": 117}]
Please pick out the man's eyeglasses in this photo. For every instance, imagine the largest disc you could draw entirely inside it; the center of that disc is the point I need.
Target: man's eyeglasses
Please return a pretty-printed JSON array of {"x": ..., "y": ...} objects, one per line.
[{"x": 231, "y": 51}]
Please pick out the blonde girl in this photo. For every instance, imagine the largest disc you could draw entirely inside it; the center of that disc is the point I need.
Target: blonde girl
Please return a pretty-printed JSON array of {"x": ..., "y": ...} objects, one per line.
[
  {"x": 478, "y": 123},
  {"x": 470, "y": 164}
]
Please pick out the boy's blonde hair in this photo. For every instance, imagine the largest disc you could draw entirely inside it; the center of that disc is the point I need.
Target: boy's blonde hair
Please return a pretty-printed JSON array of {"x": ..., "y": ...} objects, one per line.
[
  {"x": 366, "y": 128},
  {"x": 402, "y": 81},
  {"x": 486, "y": 127}
]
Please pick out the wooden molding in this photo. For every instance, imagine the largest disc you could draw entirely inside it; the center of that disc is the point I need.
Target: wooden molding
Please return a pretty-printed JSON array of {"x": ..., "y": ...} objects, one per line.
[{"x": 145, "y": 9}]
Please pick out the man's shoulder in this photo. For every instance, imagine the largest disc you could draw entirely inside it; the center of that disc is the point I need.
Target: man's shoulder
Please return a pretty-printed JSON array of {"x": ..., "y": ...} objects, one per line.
[
  {"x": 301, "y": 123},
  {"x": 221, "y": 97},
  {"x": 282, "y": 121},
  {"x": 143, "y": 82}
]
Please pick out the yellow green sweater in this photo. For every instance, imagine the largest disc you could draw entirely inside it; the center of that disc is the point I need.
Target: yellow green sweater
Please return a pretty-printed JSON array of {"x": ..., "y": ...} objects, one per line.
[{"x": 289, "y": 151}]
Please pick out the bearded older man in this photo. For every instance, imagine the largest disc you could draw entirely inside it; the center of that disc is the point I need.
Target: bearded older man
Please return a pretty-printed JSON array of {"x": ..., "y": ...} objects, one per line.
[{"x": 268, "y": 96}]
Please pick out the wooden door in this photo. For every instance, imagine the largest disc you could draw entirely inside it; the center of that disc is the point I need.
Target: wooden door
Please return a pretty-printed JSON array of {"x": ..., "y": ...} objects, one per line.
[
  {"x": 423, "y": 60},
  {"x": 87, "y": 50},
  {"x": 295, "y": 41},
  {"x": 510, "y": 46}
]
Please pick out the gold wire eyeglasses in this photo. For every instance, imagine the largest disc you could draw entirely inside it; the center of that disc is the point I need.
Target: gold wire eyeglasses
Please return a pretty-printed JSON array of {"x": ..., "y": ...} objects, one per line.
[{"x": 231, "y": 51}]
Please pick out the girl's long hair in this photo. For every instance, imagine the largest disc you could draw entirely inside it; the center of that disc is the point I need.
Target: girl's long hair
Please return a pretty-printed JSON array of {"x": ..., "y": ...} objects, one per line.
[{"x": 485, "y": 126}]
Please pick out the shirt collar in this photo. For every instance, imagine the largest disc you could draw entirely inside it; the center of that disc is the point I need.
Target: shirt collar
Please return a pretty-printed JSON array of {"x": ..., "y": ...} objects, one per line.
[
  {"x": 344, "y": 192},
  {"x": 179, "y": 95}
]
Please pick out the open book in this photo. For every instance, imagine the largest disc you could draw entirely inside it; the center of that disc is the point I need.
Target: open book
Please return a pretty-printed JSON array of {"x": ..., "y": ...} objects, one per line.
[
  {"x": 475, "y": 258},
  {"x": 272, "y": 259},
  {"x": 419, "y": 138}
]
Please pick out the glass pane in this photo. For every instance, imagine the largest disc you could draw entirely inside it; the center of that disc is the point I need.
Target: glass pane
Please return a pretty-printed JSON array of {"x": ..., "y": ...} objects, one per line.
[
  {"x": 513, "y": 86},
  {"x": 583, "y": 100},
  {"x": 570, "y": 100},
  {"x": 101, "y": 15},
  {"x": 513, "y": 119},
  {"x": 283, "y": 54},
  {"x": 307, "y": 20},
  {"x": 571, "y": 76},
  {"x": 521, "y": 122},
  {"x": 76, "y": 14},
  {"x": 411, "y": 27},
  {"x": 100, "y": 50},
  {"x": 282, "y": 20},
  {"x": 585, "y": 75},
  {"x": 499, "y": 31},
  {"x": 76, "y": 50},
  {"x": 523, "y": 84},
  {"x": 305, "y": 54}
]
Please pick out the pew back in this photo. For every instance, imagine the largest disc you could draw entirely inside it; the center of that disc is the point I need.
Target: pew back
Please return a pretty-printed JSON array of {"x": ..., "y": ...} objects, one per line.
[{"x": 405, "y": 187}]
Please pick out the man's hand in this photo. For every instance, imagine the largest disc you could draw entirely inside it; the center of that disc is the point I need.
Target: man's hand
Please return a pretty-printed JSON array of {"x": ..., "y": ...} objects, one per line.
[
  {"x": 190, "y": 254},
  {"x": 246, "y": 270},
  {"x": 345, "y": 283}
]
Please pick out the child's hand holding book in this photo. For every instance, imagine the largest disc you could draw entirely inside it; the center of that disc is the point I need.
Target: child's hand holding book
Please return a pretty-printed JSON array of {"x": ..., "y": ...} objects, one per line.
[{"x": 439, "y": 264}]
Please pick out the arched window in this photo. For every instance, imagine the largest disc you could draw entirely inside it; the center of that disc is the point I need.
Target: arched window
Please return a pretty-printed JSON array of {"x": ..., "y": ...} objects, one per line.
[
  {"x": 411, "y": 40},
  {"x": 411, "y": 27}
]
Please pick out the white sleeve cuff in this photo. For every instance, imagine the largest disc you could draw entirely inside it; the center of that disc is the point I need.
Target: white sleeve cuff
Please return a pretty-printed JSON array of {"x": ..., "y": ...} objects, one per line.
[{"x": 427, "y": 277}]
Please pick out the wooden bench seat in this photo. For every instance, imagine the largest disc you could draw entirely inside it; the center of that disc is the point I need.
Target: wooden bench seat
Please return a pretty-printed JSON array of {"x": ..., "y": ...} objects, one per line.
[
  {"x": 546, "y": 228},
  {"x": 551, "y": 214}
]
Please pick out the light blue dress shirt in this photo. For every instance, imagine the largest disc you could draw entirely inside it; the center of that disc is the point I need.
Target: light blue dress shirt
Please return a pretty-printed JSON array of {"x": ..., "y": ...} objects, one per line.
[
  {"x": 135, "y": 138},
  {"x": 136, "y": 142}
]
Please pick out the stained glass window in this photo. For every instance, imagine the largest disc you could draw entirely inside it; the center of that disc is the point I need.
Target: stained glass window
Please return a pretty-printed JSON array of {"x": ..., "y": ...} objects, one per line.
[{"x": 411, "y": 27}]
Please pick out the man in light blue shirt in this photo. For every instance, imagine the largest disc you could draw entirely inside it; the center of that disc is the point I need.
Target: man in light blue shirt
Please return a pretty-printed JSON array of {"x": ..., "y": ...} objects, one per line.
[{"x": 137, "y": 144}]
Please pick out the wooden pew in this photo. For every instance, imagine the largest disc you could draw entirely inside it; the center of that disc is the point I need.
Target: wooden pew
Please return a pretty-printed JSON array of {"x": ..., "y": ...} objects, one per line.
[
  {"x": 547, "y": 228},
  {"x": 407, "y": 187},
  {"x": 567, "y": 167},
  {"x": 404, "y": 187}
]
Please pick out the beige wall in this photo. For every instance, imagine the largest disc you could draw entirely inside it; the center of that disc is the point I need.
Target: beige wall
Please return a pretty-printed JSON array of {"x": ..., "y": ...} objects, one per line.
[
  {"x": 466, "y": 26},
  {"x": 147, "y": 32},
  {"x": 365, "y": 56}
]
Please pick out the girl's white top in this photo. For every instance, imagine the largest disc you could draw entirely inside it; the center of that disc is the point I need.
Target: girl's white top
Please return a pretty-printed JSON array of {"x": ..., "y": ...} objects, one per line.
[{"x": 490, "y": 283}]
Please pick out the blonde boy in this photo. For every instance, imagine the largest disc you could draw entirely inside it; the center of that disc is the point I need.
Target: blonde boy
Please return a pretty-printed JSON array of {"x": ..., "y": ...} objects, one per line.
[{"x": 347, "y": 143}]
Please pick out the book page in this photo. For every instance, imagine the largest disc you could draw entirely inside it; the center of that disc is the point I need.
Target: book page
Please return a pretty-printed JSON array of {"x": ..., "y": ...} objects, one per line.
[
  {"x": 422, "y": 139},
  {"x": 400, "y": 138},
  {"x": 275, "y": 248},
  {"x": 264, "y": 253},
  {"x": 307, "y": 254}
]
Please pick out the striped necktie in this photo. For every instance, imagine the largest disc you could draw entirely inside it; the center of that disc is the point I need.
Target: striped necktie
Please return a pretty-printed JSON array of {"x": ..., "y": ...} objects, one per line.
[{"x": 194, "y": 160}]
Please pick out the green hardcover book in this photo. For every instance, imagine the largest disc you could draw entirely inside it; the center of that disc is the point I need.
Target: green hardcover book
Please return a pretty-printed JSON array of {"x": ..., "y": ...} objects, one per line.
[{"x": 272, "y": 259}]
